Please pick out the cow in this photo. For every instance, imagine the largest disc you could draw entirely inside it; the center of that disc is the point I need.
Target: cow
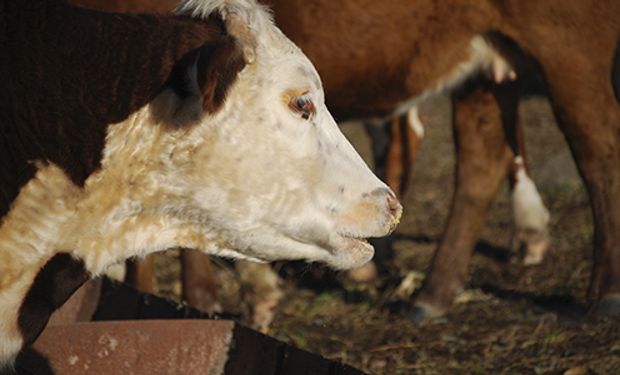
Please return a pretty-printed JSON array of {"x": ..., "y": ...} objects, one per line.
[
  {"x": 433, "y": 46},
  {"x": 124, "y": 135}
]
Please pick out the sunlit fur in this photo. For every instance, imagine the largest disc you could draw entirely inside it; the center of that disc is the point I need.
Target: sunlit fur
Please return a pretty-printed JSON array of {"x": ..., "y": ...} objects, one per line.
[{"x": 29, "y": 235}]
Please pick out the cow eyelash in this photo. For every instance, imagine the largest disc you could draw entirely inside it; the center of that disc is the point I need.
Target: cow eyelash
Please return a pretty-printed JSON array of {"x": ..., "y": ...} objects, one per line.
[{"x": 303, "y": 105}]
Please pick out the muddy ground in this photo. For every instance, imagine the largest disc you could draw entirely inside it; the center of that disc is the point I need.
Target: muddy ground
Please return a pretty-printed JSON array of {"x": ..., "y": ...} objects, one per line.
[{"x": 512, "y": 319}]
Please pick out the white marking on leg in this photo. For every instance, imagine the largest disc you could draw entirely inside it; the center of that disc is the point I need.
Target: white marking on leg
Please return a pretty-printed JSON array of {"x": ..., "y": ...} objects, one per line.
[
  {"x": 502, "y": 71},
  {"x": 413, "y": 118},
  {"x": 529, "y": 210},
  {"x": 530, "y": 215}
]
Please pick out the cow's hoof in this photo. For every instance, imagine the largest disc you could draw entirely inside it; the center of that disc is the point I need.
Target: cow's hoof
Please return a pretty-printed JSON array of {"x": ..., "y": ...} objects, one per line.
[
  {"x": 264, "y": 311},
  {"x": 421, "y": 312},
  {"x": 364, "y": 274},
  {"x": 608, "y": 306},
  {"x": 535, "y": 251}
]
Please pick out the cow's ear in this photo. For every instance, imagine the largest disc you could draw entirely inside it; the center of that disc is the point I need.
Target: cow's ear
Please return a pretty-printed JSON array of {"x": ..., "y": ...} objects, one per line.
[
  {"x": 202, "y": 77},
  {"x": 240, "y": 19},
  {"x": 239, "y": 27}
]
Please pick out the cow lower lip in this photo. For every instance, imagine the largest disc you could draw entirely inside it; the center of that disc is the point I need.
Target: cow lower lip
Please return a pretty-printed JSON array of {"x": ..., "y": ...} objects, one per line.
[
  {"x": 353, "y": 252},
  {"x": 363, "y": 241},
  {"x": 353, "y": 241},
  {"x": 364, "y": 244}
]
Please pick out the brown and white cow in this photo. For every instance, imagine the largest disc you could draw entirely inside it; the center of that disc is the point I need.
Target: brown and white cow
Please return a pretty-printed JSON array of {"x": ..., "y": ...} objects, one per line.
[
  {"x": 429, "y": 46},
  {"x": 124, "y": 135}
]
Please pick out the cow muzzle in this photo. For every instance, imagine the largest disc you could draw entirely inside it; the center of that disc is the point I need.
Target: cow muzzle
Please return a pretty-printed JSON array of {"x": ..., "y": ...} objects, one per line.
[{"x": 377, "y": 214}]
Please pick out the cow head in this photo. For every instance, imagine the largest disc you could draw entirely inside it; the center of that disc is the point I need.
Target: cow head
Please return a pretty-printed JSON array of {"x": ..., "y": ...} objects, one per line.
[{"x": 246, "y": 165}]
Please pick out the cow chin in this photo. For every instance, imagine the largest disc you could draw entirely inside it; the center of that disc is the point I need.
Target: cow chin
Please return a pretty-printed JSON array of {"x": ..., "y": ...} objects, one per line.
[
  {"x": 339, "y": 239},
  {"x": 336, "y": 251},
  {"x": 350, "y": 253}
]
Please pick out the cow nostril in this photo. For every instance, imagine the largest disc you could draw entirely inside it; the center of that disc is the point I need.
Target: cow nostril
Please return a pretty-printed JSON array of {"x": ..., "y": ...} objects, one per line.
[{"x": 393, "y": 204}]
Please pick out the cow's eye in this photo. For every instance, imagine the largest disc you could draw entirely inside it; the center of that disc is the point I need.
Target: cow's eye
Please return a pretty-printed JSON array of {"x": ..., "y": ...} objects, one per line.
[{"x": 303, "y": 105}]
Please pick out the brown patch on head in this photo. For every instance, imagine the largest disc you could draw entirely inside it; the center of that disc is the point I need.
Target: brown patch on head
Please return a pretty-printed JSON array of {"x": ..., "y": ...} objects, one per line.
[{"x": 54, "y": 284}]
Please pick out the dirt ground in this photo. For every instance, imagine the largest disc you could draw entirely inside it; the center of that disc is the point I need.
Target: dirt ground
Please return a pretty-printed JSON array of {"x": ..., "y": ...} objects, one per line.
[{"x": 512, "y": 319}]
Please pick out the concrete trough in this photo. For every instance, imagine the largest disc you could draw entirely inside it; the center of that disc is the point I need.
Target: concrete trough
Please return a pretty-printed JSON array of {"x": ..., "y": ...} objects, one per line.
[{"x": 109, "y": 328}]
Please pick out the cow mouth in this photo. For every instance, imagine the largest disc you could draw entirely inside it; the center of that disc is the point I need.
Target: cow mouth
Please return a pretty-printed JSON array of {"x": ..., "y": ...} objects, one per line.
[
  {"x": 359, "y": 242},
  {"x": 351, "y": 252}
]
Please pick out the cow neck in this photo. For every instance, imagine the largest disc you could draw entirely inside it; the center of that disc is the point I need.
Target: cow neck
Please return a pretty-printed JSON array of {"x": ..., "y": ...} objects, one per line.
[{"x": 69, "y": 72}]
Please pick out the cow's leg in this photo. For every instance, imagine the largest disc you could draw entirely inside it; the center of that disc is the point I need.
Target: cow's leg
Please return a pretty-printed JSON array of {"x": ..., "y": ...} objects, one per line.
[
  {"x": 531, "y": 217},
  {"x": 380, "y": 139},
  {"x": 263, "y": 291},
  {"x": 406, "y": 134},
  {"x": 139, "y": 273},
  {"x": 483, "y": 156},
  {"x": 396, "y": 164},
  {"x": 589, "y": 117},
  {"x": 199, "y": 287}
]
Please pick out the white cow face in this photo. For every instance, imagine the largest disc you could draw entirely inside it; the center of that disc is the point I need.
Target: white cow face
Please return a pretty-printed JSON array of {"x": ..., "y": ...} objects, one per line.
[
  {"x": 277, "y": 174},
  {"x": 267, "y": 176}
]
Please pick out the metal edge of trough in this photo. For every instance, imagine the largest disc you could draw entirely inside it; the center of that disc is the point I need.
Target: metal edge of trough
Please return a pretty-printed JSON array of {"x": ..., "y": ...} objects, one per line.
[{"x": 110, "y": 328}]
